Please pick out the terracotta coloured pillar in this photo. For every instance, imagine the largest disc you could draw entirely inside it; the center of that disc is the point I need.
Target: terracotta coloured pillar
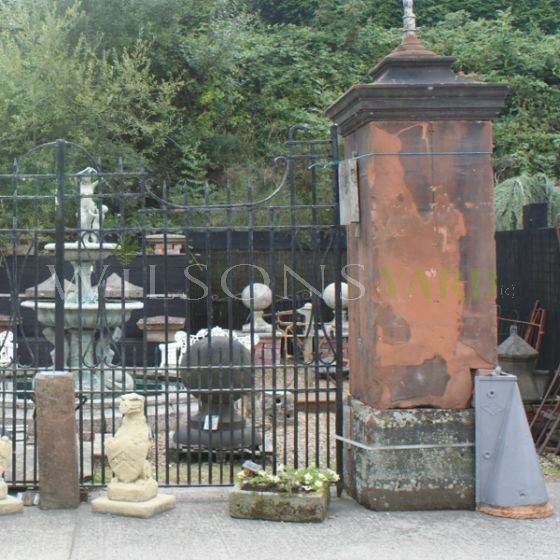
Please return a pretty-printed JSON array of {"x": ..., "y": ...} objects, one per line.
[{"x": 423, "y": 250}]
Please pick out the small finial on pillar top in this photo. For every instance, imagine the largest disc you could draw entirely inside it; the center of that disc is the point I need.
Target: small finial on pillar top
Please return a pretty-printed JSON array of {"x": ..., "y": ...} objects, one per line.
[{"x": 409, "y": 19}]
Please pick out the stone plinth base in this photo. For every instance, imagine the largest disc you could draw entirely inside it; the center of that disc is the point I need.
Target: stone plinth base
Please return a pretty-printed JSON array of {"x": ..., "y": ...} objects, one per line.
[
  {"x": 278, "y": 506},
  {"x": 435, "y": 471},
  {"x": 139, "y": 491},
  {"x": 149, "y": 508},
  {"x": 10, "y": 505}
]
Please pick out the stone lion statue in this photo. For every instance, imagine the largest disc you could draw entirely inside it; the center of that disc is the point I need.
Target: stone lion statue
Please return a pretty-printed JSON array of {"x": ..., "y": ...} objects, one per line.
[{"x": 128, "y": 450}]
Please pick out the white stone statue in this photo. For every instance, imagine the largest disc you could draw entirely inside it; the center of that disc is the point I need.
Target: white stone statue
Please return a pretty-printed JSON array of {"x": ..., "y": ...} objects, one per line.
[
  {"x": 90, "y": 217},
  {"x": 6, "y": 348},
  {"x": 133, "y": 490}
]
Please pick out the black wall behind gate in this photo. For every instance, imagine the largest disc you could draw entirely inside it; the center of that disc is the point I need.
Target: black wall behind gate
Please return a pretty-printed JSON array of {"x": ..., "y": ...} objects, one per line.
[
  {"x": 164, "y": 278},
  {"x": 528, "y": 263}
]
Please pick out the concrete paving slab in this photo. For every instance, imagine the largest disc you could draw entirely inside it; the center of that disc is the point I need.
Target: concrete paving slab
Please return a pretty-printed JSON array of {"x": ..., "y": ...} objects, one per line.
[{"x": 200, "y": 527}]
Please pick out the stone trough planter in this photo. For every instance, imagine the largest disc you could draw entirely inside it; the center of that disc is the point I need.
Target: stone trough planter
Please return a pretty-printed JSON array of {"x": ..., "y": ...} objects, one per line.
[{"x": 279, "y": 506}]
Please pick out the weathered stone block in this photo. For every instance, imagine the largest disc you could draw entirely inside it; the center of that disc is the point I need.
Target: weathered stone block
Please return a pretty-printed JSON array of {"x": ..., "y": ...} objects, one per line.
[
  {"x": 56, "y": 438},
  {"x": 278, "y": 506},
  {"x": 435, "y": 472}
]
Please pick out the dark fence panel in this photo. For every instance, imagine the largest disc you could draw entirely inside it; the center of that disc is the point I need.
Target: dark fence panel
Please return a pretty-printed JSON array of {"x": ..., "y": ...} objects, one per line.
[
  {"x": 528, "y": 263},
  {"x": 270, "y": 390}
]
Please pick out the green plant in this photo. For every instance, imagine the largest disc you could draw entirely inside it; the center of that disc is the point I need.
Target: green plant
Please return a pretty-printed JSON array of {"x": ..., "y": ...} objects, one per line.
[
  {"x": 126, "y": 251},
  {"x": 305, "y": 479},
  {"x": 513, "y": 194}
]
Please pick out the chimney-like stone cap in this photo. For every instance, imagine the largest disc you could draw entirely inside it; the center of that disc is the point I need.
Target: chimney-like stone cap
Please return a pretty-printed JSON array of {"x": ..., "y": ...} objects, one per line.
[{"x": 414, "y": 84}]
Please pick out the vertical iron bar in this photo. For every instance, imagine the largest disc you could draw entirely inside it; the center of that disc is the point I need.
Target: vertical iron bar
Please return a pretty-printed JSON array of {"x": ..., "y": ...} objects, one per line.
[
  {"x": 59, "y": 258},
  {"x": 338, "y": 310}
]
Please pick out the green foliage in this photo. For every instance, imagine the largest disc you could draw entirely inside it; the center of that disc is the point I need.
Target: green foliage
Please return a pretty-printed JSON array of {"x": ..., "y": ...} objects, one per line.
[
  {"x": 206, "y": 89},
  {"x": 514, "y": 193},
  {"x": 527, "y": 133},
  {"x": 127, "y": 249},
  {"x": 108, "y": 102},
  {"x": 526, "y": 13}
]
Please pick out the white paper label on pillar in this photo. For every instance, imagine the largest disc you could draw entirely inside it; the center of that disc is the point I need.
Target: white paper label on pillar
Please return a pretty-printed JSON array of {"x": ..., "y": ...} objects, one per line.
[
  {"x": 211, "y": 423},
  {"x": 348, "y": 192}
]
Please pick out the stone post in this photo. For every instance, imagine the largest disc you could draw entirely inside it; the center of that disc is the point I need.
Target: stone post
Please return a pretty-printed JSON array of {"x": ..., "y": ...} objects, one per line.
[
  {"x": 424, "y": 252},
  {"x": 59, "y": 482}
]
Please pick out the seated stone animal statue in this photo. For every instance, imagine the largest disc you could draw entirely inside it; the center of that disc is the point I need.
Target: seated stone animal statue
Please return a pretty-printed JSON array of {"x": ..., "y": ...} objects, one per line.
[
  {"x": 127, "y": 453},
  {"x": 133, "y": 490}
]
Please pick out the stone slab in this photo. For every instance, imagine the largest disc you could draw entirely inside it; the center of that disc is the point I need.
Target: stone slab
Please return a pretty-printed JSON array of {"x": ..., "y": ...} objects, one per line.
[
  {"x": 436, "y": 474},
  {"x": 145, "y": 510},
  {"x": 10, "y": 505},
  {"x": 140, "y": 491},
  {"x": 56, "y": 437},
  {"x": 276, "y": 506}
]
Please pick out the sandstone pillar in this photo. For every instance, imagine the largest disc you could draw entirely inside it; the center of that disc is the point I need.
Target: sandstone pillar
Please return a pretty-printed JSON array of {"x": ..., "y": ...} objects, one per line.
[
  {"x": 424, "y": 252},
  {"x": 59, "y": 482}
]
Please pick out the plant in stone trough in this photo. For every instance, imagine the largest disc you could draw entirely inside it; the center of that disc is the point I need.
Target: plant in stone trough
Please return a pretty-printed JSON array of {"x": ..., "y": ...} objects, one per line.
[{"x": 302, "y": 480}]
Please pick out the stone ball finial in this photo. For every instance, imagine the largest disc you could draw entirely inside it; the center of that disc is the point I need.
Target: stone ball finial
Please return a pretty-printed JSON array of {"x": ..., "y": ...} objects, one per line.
[
  {"x": 329, "y": 295},
  {"x": 262, "y": 296}
]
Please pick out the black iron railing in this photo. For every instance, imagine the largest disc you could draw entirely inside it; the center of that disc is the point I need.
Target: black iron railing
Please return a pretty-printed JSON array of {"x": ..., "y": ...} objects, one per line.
[{"x": 86, "y": 287}]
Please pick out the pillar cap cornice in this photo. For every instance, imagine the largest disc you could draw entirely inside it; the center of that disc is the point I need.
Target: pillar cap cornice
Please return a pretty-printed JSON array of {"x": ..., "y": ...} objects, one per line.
[{"x": 414, "y": 84}]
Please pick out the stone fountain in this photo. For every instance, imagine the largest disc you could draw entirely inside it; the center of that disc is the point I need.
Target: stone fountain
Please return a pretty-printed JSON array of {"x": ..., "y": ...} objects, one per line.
[{"x": 92, "y": 324}]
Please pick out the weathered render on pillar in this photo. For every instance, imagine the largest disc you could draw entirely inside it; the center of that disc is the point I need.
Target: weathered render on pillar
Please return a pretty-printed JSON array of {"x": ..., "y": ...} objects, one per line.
[{"x": 424, "y": 247}]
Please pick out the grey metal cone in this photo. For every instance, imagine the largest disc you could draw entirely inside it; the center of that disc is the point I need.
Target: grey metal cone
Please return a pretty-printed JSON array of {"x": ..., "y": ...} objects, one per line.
[{"x": 508, "y": 474}]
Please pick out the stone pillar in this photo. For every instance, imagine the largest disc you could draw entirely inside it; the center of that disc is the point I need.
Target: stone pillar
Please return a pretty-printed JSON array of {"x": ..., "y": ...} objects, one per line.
[
  {"x": 59, "y": 482},
  {"x": 424, "y": 252}
]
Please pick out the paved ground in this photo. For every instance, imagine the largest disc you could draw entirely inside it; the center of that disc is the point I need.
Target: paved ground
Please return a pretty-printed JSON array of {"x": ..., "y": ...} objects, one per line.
[{"x": 200, "y": 528}]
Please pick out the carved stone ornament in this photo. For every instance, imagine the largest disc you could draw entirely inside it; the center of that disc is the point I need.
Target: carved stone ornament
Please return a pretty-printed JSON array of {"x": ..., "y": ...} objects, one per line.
[
  {"x": 133, "y": 491},
  {"x": 128, "y": 450}
]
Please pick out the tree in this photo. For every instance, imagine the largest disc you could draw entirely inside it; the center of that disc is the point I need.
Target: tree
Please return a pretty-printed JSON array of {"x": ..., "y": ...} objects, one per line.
[
  {"x": 108, "y": 102},
  {"x": 527, "y": 133}
]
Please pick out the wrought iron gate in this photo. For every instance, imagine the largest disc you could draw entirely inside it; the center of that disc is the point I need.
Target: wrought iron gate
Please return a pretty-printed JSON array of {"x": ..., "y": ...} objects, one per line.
[{"x": 221, "y": 305}]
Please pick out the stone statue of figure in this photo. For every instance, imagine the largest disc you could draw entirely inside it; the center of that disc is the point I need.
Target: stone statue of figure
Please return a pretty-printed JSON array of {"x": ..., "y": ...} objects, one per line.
[
  {"x": 6, "y": 348},
  {"x": 409, "y": 19},
  {"x": 128, "y": 450},
  {"x": 90, "y": 217}
]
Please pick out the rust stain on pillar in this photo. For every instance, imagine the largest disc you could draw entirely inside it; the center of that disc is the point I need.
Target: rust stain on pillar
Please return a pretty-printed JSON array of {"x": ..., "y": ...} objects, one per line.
[{"x": 424, "y": 249}]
